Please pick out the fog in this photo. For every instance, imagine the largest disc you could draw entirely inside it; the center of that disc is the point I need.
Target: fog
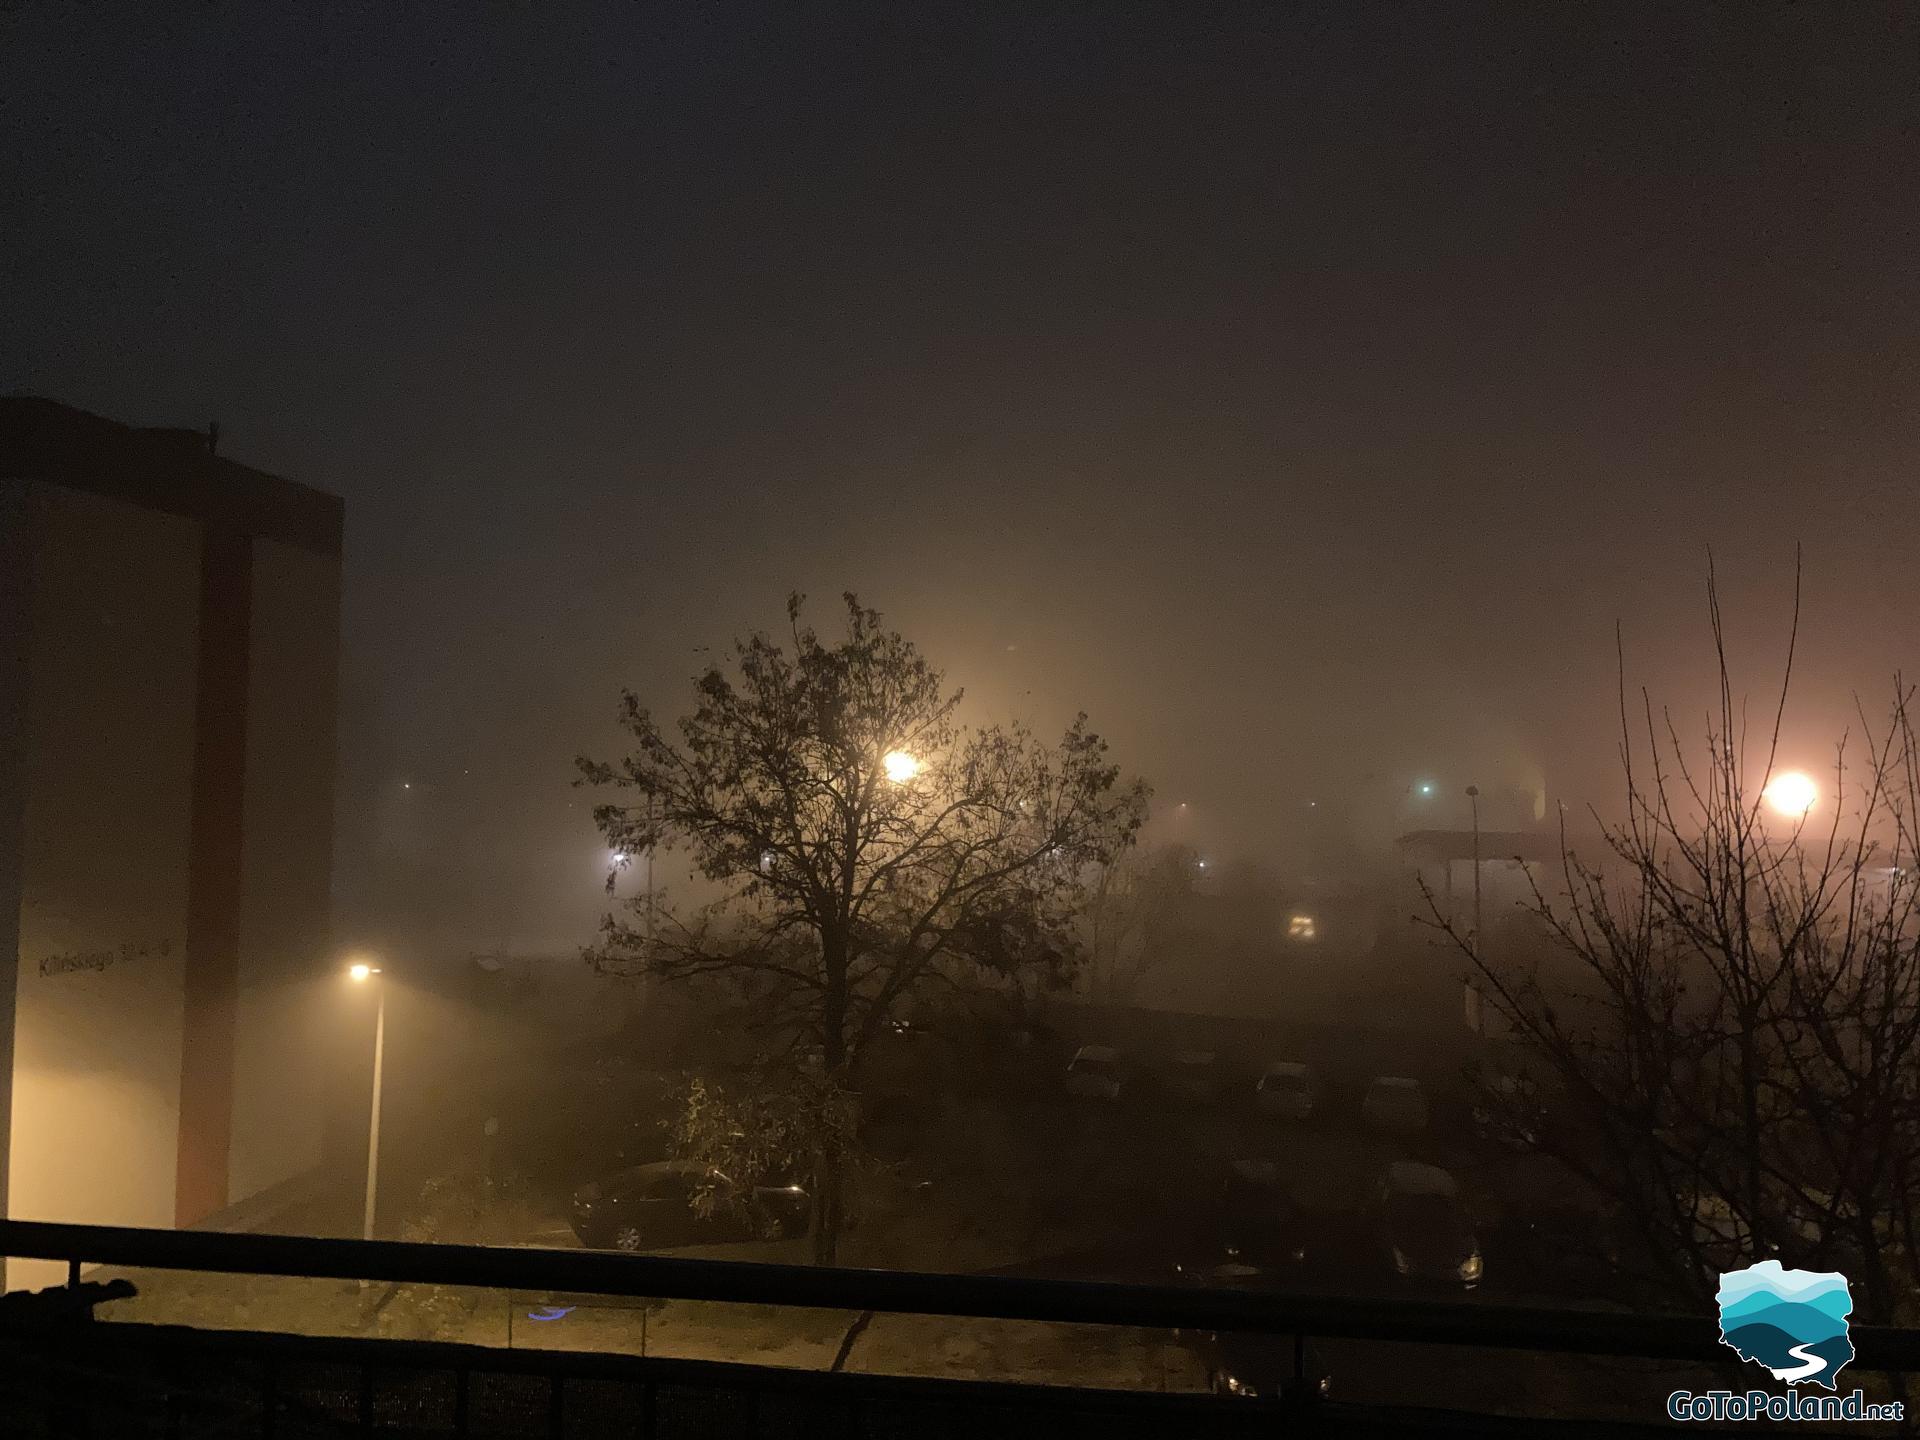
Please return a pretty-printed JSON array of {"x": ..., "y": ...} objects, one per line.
[
  {"x": 1345, "y": 408},
  {"x": 1304, "y": 397}
]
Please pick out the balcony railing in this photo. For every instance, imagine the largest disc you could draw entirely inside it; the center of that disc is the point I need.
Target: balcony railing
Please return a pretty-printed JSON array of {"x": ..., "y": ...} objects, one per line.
[{"x": 76, "y": 1366}]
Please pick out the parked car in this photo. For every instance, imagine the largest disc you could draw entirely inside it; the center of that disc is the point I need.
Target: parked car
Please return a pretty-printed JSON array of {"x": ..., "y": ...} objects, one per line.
[
  {"x": 1427, "y": 1232},
  {"x": 1096, "y": 1072},
  {"x": 1287, "y": 1089},
  {"x": 1261, "y": 1367},
  {"x": 1395, "y": 1102},
  {"x": 1257, "y": 1222},
  {"x": 1246, "y": 1231},
  {"x": 1195, "y": 1075},
  {"x": 653, "y": 1207}
]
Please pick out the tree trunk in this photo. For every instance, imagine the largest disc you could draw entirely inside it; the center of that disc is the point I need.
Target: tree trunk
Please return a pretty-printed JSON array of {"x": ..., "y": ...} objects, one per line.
[
  {"x": 827, "y": 1211},
  {"x": 828, "y": 1204}
]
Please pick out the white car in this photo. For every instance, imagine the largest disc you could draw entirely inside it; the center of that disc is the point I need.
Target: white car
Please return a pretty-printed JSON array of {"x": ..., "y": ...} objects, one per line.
[
  {"x": 1395, "y": 1102},
  {"x": 1096, "y": 1072},
  {"x": 1288, "y": 1089}
]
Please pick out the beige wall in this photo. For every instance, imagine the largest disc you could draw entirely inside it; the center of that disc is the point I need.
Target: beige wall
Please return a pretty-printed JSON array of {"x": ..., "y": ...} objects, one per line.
[
  {"x": 104, "y": 864},
  {"x": 289, "y": 998}
]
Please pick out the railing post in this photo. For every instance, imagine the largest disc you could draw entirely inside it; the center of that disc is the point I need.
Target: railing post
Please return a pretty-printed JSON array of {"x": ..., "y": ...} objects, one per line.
[{"x": 73, "y": 1272}]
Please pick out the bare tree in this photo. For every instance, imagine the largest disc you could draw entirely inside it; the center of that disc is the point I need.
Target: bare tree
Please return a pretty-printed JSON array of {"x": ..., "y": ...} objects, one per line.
[
  {"x": 865, "y": 845},
  {"x": 1138, "y": 915},
  {"x": 1727, "y": 1007}
]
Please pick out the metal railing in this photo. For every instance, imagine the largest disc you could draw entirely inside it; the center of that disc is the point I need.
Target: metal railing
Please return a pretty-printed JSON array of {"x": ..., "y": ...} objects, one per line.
[
  {"x": 1481, "y": 1323},
  {"x": 274, "y": 1374}
]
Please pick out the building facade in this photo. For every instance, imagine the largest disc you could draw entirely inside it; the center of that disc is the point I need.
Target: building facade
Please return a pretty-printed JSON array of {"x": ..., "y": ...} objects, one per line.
[{"x": 169, "y": 628}]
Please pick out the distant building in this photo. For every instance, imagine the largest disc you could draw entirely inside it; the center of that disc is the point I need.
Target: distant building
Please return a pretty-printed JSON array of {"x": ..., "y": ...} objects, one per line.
[
  {"x": 1440, "y": 863},
  {"x": 168, "y": 646}
]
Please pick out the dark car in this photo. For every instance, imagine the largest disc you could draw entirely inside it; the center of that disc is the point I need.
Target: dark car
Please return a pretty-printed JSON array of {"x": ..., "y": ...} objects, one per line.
[
  {"x": 1256, "y": 1367},
  {"x": 1253, "y": 1221},
  {"x": 1246, "y": 1233},
  {"x": 653, "y": 1207},
  {"x": 1261, "y": 1367},
  {"x": 1426, "y": 1230}
]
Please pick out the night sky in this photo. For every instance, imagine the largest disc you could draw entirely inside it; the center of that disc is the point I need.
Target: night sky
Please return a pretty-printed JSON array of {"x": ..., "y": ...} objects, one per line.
[{"x": 1303, "y": 390}]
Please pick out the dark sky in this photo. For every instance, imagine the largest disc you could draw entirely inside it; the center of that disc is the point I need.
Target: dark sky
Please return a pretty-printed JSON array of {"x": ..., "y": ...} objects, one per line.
[{"x": 1304, "y": 390}]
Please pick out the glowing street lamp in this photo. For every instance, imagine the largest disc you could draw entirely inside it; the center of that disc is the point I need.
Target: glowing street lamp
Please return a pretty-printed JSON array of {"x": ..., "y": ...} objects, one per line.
[
  {"x": 1791, "y": 794},
  {"x": 361, "y": 972},
  {"x": 900, "y": 766}
]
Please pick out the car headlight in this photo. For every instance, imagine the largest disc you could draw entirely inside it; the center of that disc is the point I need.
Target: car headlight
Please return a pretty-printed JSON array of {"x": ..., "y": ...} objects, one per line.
[
  {"x": 1471, "y": 1267},
  {"x": 1401, "y": 1262},
  {"x": 1237, "y": 1386}
]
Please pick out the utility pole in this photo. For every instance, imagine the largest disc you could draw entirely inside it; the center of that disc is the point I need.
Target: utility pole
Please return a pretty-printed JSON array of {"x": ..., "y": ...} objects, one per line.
[
  {"x": 1477, "y": 1016},
  {"x": 1473, "y": 795}
]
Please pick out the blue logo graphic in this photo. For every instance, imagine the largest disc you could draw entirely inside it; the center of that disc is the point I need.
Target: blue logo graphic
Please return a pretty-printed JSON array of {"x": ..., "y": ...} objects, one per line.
[
  {"x": 560, "y": 1312},
  {"x": 1794, "y": 1322}
]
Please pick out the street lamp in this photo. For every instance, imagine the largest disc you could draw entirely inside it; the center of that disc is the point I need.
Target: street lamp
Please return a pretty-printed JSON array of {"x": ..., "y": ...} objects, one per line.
[
  {"x": 1792, "y": 794},
  {"x": 1475, "y": 1012},
  {"x": 363, "y": 973},
  {"x": 1473, "y": 795},
  {"x": 900, "y": 766}
]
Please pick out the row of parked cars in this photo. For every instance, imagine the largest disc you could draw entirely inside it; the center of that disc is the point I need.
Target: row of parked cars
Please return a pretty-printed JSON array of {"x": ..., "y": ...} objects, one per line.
[
  {"x": 1253, "y": 1231},
  {"x": 1252, "y": 1235},
  {"x": 1285, "y": 1089}
]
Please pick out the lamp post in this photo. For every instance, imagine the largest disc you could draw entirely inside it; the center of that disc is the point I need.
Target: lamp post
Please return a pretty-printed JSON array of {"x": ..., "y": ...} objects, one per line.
[
  {"x": 1473, "y": 795},
  {"x": 362, "y": 974},
  {"x": 1476, "y": 1014}
]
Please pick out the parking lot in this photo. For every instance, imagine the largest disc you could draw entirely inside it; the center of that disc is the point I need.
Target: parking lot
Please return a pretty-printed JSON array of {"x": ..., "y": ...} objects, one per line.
[{"x": 1023, "y": 1178}]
